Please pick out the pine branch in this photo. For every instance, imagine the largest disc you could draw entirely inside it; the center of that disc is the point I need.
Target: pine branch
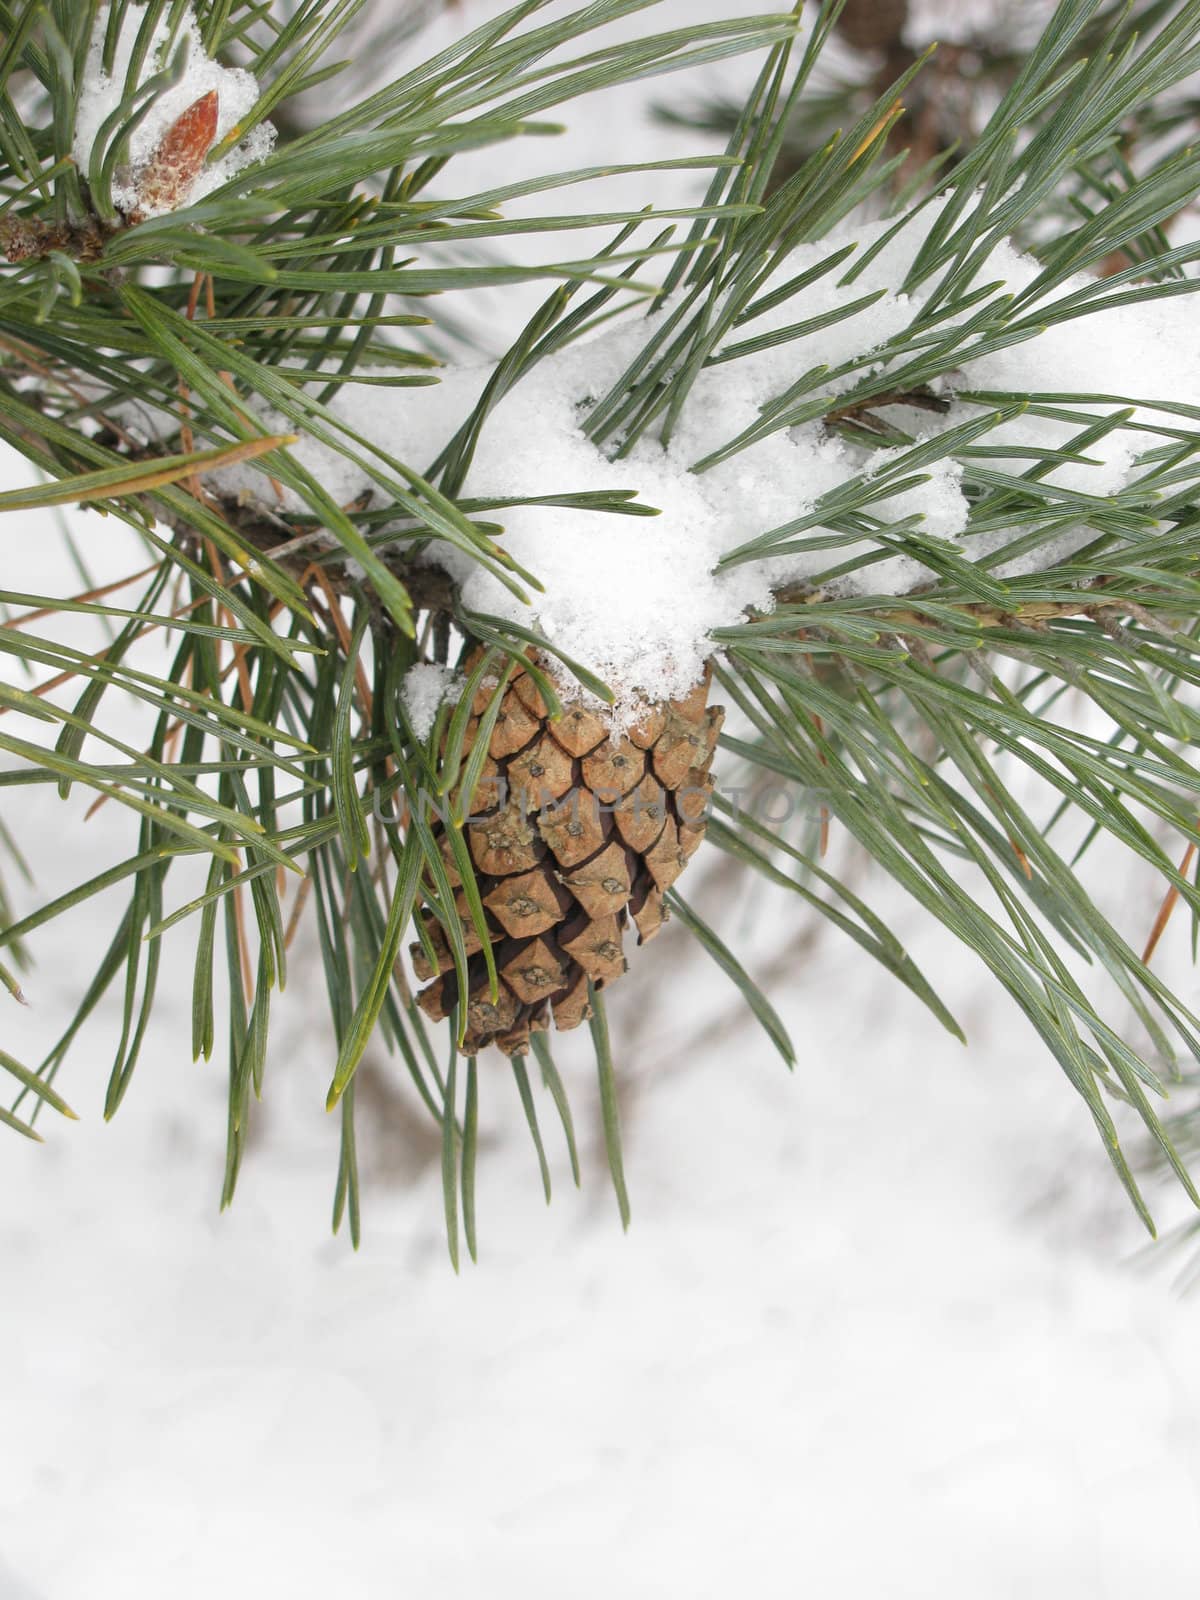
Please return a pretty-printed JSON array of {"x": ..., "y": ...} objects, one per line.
[{"x": 976, "y": 700}]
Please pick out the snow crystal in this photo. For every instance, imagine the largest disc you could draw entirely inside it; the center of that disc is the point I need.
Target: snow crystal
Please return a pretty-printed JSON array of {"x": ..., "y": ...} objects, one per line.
[
  {"x": 637, "y": 598},
  {"x": 102, "y": 93},
  {"x": 427, "y": 687}
]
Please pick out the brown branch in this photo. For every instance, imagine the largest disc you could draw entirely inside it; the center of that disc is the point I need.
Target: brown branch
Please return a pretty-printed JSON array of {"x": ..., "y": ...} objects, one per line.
[
  {"x": 860, "y": 411},
  {"x": 32, "y": 239},
  {"x": 430, "y": 588},
  {"x": 875, "y": 25},
  {"x": 1089, "y": 601}
]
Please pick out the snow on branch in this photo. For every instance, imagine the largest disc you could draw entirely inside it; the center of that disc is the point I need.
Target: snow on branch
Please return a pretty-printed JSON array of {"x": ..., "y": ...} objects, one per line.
[
  {"x": 173, "y": 102},
  {"x": 637, "y": 597}
]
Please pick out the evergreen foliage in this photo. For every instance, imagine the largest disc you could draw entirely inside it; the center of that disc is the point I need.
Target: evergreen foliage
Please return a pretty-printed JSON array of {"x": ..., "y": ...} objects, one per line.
[{"x": 278, "y": 750}]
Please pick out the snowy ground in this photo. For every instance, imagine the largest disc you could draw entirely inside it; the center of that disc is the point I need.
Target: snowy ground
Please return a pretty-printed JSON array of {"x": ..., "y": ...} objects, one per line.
[{"x": 876, "y": 1329}]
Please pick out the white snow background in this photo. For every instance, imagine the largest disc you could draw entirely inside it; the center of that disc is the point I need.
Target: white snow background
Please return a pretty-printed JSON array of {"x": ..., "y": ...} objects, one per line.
[{"x": 874, "y": 1332}]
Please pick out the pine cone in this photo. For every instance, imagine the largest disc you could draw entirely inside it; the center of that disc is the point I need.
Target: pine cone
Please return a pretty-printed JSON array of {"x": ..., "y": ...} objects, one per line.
[{"x": 573, "y": 833}]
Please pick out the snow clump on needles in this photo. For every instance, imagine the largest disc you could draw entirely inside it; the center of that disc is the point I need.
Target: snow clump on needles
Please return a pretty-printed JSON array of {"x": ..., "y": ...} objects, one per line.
[{"x": 134, "y": 62}]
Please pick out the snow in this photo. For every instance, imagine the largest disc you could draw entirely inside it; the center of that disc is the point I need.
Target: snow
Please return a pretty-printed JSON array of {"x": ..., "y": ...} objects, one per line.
[
  {"x": 102, "y": 93},
  {"x": 889, "y": 1292},
  {"x": 637, "y": 599},
  {"x": 650, "y": 637},
  {"x": 875, "y": 1330},
  {"x": 427, "y": 687}
]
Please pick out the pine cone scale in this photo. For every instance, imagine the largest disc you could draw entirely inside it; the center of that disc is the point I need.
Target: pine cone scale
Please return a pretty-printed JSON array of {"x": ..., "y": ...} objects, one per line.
[{"x": 574, "y": 834}]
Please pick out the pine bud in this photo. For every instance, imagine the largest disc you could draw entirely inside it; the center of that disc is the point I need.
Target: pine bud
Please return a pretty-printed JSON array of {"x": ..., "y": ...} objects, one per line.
[{"x": 165, "y": 179}]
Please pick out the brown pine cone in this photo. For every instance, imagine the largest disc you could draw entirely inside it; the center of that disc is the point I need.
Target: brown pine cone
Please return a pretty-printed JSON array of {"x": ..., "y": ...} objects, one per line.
[{"x": 572, "y": 834}]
